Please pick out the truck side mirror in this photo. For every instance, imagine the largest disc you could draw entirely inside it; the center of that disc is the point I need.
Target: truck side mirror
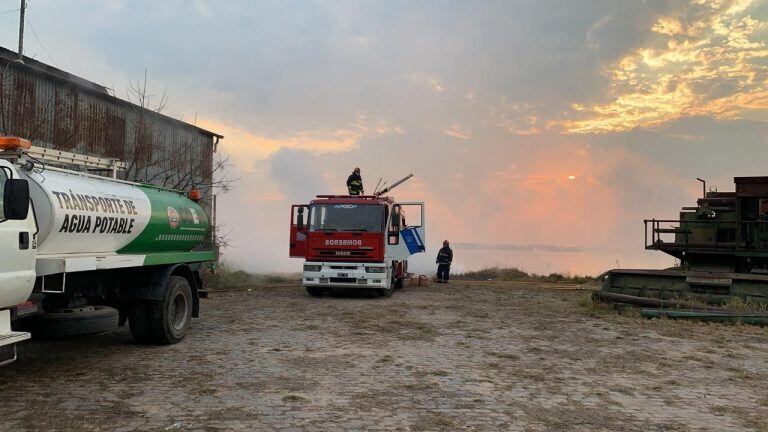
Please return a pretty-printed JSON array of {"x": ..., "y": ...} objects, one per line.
[
  {"x": 300, "y": 219},
  {"x": 395, "y": 223},
  {"x": 393, "y": 237},
  {"x": 16, "y": 199}
]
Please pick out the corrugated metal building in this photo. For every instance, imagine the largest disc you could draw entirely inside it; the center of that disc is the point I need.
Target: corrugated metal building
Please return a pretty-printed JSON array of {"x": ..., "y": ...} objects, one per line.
[{"x": 59, "y": 110}]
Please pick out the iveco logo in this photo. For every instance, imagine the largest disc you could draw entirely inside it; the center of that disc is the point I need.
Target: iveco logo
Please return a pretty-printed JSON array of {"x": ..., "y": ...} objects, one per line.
[
  {"x": 343, "y": 242},
  {"x": 343, "y": 253}
]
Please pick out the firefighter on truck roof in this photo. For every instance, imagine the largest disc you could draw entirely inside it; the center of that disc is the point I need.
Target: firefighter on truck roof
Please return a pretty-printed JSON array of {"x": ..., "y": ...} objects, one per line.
[{"x": 355, "y": 183}]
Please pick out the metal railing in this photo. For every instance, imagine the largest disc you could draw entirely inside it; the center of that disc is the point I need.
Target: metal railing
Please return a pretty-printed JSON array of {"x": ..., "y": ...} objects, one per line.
[{"x": 746, "y": 234}]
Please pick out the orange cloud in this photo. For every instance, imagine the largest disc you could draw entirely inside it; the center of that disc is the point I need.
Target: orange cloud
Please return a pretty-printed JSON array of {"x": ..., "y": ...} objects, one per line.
[
  {"x": 458, "y": 131},
  {"x": 246, "y": 148},
  {"x": 518, "y": 118},
  {"x": 707, "y": 60}
]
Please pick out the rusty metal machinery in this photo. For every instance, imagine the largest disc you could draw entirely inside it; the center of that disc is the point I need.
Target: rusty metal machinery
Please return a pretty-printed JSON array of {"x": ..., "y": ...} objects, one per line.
[{"x": 721, "y": 245}]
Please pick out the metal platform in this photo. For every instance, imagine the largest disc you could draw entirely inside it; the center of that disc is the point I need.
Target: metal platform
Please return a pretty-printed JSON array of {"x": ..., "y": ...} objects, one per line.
[{"x": 708, "y": 287}]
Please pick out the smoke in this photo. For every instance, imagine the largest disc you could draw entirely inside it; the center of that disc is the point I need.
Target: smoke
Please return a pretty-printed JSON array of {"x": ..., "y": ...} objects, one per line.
[
  {"x": 297, "y": 174},
  {"x": 518, "y": 247}
]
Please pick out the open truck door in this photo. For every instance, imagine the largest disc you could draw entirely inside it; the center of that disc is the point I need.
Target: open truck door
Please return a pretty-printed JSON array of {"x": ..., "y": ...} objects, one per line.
[
  {"x": 412, "y": 228},
  {"x": 297, "y": 245},
  {"x": 406, "y": 233}
]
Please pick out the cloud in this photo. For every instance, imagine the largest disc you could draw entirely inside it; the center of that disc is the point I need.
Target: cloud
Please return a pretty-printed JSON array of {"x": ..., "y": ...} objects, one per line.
[
  {"x": 296, "y": 174},
  {"x": 517, "y": 247},
  {"x": 706, "y": 59},
  {"x": 246, "y": 148},
  {"x": 518, "y": 118},
  {"x": 459, "y": 132},
  {"x": 427, "y": 80},
  {"x": 592, "y": 40}
]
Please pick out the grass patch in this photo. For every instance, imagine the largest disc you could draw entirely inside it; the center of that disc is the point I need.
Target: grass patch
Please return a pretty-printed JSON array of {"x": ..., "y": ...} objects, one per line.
[
  {"x": 433, "y": 422},
  {"x": 294, "y": 399},
  {"x": 226, "y": 277},
  {"x": 720, "y": 409},
  {"x": 737, "y": 304},
  {"x": 503, "y": 355},
  {"x": 515, "y": 274},
  {"x": 596, "y": 309},
  {"x": 592, "y": 308}
]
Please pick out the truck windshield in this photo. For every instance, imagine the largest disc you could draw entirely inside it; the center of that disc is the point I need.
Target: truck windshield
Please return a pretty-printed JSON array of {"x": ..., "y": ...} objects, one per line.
[{"x": 347, "y": 217}]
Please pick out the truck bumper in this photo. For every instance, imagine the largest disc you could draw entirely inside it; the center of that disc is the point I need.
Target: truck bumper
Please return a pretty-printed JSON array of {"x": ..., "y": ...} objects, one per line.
[{"x": 346, "y": 275}]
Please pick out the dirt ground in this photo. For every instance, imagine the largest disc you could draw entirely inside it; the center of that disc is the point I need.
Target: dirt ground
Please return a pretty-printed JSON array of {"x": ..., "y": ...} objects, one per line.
[{"x": 476, "y": 356}]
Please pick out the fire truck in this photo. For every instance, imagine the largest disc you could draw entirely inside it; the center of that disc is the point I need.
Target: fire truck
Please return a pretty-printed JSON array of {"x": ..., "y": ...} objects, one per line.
[{"x": 356, "y": 241}]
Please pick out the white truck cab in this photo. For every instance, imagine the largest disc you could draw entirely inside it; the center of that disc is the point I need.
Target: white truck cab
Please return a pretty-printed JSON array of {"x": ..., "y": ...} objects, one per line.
[{"x": 17, "y": 254}]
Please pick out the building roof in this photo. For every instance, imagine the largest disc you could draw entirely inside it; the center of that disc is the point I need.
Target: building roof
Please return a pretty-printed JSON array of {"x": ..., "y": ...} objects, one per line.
[{"x": 7, "y": 56}]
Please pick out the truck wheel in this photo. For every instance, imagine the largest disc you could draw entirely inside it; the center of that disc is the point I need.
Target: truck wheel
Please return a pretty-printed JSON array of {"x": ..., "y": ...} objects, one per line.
[
  {"x": 138, "y": 322},
  {"x": 386, "y": 292},
  {"x": 170, "y": 319},
  {"x": 163, "y": 322},
  {"x": 75, "y": 322},
  {"x": 316, "y": 291}
]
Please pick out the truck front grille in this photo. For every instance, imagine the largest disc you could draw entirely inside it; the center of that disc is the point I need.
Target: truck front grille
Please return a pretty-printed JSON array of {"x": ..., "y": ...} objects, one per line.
[{"x": 343, "y": 280}]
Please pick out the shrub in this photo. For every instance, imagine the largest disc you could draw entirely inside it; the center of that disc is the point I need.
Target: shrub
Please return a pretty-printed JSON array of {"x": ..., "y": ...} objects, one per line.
[
  {"x": 515, "y": 274},
  {"x": 225, "y": 277}
]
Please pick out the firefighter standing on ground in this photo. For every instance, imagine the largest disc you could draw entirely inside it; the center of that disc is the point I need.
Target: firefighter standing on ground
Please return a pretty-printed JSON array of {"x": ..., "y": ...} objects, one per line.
[
  {"x": 443, "y": 261},
  {"x": 355, "y": 183}
]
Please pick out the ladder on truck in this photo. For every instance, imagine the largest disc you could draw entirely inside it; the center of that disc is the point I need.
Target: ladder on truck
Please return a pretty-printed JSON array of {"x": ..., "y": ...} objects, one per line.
[{"x": 16, "y": 148}]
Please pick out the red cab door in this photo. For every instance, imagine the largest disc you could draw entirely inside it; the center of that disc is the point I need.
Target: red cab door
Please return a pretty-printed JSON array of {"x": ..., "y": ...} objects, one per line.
[{"x": 297, "y": 245}]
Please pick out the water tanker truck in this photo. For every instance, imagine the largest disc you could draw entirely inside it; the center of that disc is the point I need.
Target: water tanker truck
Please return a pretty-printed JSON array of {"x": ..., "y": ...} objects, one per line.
[
  {"x": 83, "y": 253},
  {"x": 356, "y": 241}
]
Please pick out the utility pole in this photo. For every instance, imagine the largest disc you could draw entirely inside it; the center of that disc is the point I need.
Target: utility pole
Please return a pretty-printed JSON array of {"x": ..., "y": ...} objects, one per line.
[{"x": 21, "y": 30}]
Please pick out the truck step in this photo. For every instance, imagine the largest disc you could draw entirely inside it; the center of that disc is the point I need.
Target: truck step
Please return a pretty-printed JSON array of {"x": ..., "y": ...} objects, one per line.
[
  {"x": 13, "y": 337},
  {"x": 8, "y": 346}
]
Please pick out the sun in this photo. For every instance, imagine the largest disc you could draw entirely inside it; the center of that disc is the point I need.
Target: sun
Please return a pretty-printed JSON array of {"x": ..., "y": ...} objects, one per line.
[{"x": 571, "y": 177}]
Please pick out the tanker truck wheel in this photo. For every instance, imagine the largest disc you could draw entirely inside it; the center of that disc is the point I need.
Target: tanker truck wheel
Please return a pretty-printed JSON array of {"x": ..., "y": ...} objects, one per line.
[
  {"x": 74, "y": 322},
  {"x": 163, "y": 322}
]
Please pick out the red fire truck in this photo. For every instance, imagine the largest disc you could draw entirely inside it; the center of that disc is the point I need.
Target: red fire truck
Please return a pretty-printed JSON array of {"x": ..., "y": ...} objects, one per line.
[{"x": 356, "y": 241}]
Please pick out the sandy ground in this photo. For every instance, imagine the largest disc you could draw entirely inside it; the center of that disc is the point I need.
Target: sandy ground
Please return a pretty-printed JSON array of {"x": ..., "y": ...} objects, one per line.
[{"x": 463, "y": 356}]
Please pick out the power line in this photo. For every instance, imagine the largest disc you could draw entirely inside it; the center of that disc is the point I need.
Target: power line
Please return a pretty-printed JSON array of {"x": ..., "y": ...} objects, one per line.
[
  {"x": 39, "y": 41},
  {"x": 9, "y": 11}
]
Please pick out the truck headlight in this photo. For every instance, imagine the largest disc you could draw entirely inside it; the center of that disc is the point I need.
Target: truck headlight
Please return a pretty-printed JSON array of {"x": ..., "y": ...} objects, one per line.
[
  {"x": 312, "y": 267},
  {"x": 375, "y": 269}
]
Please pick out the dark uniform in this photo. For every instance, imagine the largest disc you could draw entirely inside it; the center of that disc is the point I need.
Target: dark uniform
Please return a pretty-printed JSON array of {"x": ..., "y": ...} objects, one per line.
[
  {"x": 444, "y": 260},
  {"x": 355, "y": 183}
]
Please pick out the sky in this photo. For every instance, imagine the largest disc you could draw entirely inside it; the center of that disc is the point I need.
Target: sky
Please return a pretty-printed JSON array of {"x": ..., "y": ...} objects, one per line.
[{"x": 541, "y": 133}]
